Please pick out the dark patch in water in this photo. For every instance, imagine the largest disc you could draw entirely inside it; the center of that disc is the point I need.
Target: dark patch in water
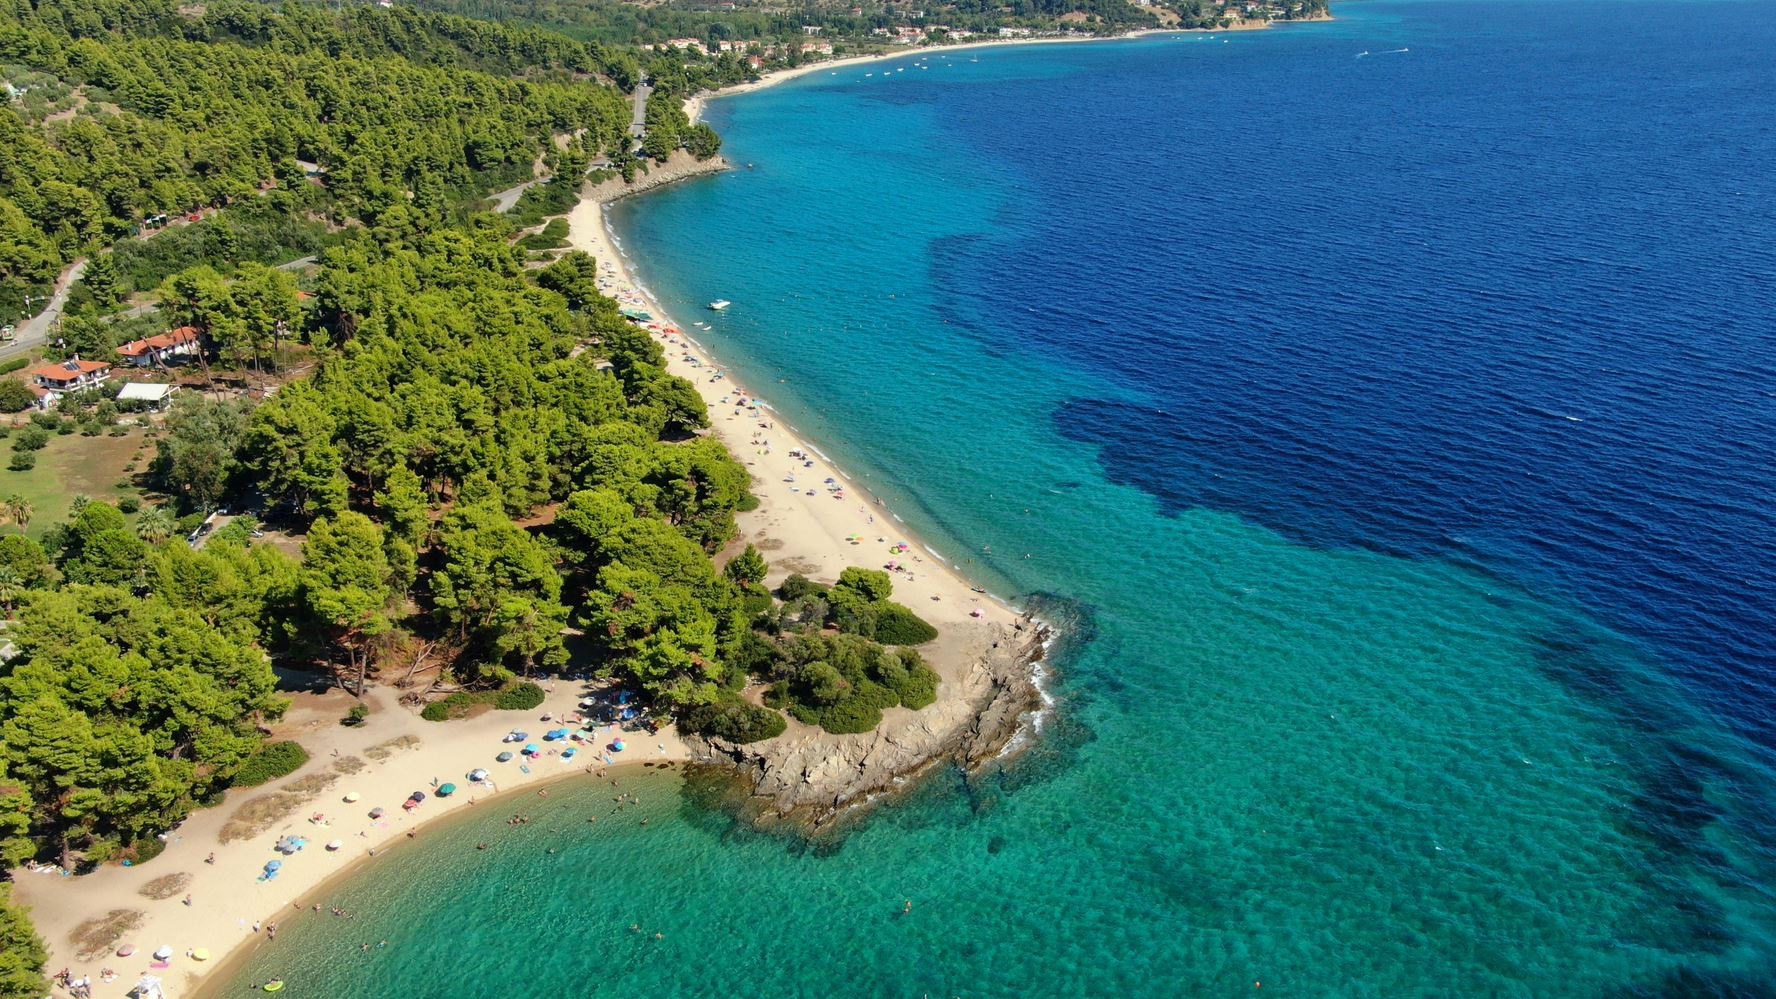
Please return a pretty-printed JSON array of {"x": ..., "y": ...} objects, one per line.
[
  {"x": 1690, "y": 982},
  {"x": 1572, "y": 661}
]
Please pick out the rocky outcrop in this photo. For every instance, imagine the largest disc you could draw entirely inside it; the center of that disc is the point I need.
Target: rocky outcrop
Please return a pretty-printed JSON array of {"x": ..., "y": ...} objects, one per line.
[
  {"x": 811, "y": 779},
  {"x": 679, "y": 166}
]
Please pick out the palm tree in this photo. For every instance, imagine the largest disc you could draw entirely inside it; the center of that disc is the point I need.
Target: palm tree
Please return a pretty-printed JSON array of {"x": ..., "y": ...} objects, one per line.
[
  {"x": 12, "y": 586},
  {"x": 155, "y": 525},
  {"x": 16, "y": 509}
]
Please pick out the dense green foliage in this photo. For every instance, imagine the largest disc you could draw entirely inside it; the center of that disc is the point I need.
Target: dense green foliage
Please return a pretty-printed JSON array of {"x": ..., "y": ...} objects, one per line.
[
  {"x": 186, "y": 107},
  {"x": 15, "y": 397},
  {"x": 844, "y": 682},
  {"x": 857, "y": 605},
  {"x": 735, "y": 720},
  {"x": 517, "y": 697},
  {"x": 898, "y": 625},
  {"x": 21, "y": 952},
  {"x": 273, "y": 760},
  {"x": 486, "y": 458},
  {"x": 260, "y": 229},
  {"x": 140, "y": 678}
]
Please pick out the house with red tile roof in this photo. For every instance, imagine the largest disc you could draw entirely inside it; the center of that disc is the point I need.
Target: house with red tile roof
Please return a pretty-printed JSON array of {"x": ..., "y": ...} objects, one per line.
[
  {"x": 161, "y": 349},
  {"x": 52, "y": 381}
]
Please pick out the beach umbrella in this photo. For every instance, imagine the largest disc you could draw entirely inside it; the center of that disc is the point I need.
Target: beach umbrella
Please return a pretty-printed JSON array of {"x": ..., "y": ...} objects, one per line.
[
  {"x": 376, "y": 813},
  {"x": 477, "y": 774},
  {"x": 446, "y": 790},
  {"x": 270, "y": 865},
  {"x": 351, "y": 796},
  {"x": 503, "y": 758},
  {"x": 335, "y": 844},
  {"x": 618, "y": 745},
  {"x": 530, "y": 748},
  {"x": 164, "y": 951},
  {"x": 200, "y": 954},
  {"x": 126, "y": 950}
]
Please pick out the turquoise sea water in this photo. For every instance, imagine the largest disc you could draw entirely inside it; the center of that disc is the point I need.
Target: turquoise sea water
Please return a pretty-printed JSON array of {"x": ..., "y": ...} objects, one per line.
[{"x": 1389, "y": 430}]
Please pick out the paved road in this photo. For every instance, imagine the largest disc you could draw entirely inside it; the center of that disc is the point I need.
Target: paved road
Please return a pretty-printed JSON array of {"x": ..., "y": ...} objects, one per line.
[
  {"x": 638, "y": 124},
  {"x": 34, "y": 331}
]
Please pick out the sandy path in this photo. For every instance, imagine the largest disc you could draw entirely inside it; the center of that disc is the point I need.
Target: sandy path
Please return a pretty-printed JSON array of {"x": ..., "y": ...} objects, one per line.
[{"x": 228, "y": 898}]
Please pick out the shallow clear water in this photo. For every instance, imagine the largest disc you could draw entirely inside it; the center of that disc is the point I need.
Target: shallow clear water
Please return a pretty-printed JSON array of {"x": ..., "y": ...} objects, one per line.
[{"x": 1393, "y": 431}]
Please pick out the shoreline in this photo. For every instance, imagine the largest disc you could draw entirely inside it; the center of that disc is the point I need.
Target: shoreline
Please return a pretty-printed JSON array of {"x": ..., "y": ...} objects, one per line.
[
  {"x": 987, "y": 647},
  {"x": 381, "y": 761},
  {"x": 990, "y": 706},
  {"x": 697, "y": 103},
  {"x": 226, "y": 967}
]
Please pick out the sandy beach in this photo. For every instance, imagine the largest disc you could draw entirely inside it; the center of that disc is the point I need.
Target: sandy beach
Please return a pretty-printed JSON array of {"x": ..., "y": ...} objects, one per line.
[
  {"x": 695, "y": 104},
  {"x": 811, "y": 518},
  {"x": 216, "y": 859}
]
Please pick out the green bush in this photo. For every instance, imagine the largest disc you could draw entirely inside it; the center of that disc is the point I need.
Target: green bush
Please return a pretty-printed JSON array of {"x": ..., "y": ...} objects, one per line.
[
  {"x": 754, "y": 601},
  {"x": 273, "y": 760},
  {"x": 48, "y": 421},
  {"x": 454, "y": 706},
  {"x": 15, "y": 397},
  {"x": 736, "y": 721},
  {"x": 798, "y": 586},
  {"x": 870, "y": 584},
  {"x": 519, "y": 697},
  {"x": 861, "y": 712},
  {"x": 31, "y": 439},
  {"x": 356, "y": 715},
  {"x": 753, "y": 654},
  {"x": 896, "y": 624},
  {"x": 16, "y": 364},
  {"x": 823, "y": 684},
  {"x": 143, "y": 850},
  {"x": 22, "y": 461},
  {"x": 129, "y": 504},
  {"x": 919, "y": 689}
]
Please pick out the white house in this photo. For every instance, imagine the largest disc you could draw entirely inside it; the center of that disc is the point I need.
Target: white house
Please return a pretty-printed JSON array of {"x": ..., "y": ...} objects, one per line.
[
  {"x": 156, "y": 350},
  {"x": 52, "y": 381}
]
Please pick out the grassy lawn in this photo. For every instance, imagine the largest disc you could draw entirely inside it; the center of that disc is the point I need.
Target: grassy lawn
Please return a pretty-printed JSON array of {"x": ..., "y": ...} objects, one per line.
[{"x": 72, "y": 465}]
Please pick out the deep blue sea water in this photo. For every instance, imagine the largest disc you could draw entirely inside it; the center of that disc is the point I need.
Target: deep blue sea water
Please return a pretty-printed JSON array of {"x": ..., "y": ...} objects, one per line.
[{"x": 1395, "y": 433}]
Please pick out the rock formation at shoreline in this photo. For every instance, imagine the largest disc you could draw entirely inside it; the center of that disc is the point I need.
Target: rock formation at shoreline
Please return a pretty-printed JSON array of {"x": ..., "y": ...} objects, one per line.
[
  {"x": 810, "y": 778},
  {"x": 679, "y": 166}
]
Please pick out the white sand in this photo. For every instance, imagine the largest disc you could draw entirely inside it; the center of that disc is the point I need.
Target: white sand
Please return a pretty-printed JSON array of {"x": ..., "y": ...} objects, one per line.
[
  {"x": 228, "y": 898},
  {"x": 818, "y": 534}
]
